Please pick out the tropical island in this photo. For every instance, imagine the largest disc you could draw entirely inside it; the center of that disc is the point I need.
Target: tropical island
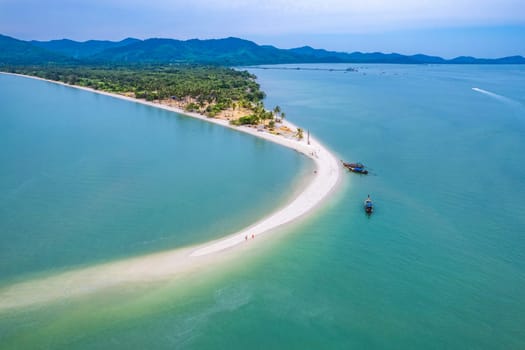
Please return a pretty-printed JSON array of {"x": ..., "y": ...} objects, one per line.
[
  {"x": 157, "y": 190},
  {"x": 194, "y": 78},
  {"x": 214, "y": 91},
  {"x": 220, "y": 95},
  {"x": 192, "y": 75}
]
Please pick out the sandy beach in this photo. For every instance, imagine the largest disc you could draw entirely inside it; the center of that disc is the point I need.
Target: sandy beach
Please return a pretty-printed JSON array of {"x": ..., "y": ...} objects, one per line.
[{"x": 164, "y": 265}]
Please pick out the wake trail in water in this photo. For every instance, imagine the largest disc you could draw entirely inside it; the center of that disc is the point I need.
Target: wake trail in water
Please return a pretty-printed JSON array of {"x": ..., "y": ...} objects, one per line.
[{"x": 498, "y": 97}]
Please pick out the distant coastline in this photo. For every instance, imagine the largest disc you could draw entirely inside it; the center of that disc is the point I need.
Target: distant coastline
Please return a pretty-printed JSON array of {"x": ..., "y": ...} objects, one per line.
[{"x": 226, "y": 52}]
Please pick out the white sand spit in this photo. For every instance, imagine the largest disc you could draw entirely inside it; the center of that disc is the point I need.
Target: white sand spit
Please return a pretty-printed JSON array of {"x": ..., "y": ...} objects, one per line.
[{"x": 154, "y": 267}]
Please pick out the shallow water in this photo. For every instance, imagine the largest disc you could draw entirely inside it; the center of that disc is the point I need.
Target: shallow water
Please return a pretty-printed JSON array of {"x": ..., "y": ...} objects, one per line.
[
  {"x": 86, "y": 178},
  {"x": 440, "y": 264}
]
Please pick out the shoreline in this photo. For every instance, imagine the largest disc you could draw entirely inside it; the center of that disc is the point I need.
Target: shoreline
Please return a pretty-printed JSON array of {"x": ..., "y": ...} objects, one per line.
[
  {"x": 155, "y": 266},
  {"x": 297, "y": 145}
]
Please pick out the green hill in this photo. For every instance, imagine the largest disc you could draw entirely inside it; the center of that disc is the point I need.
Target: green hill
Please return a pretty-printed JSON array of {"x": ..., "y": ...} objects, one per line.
[
  {"x": 228, "y": 52},
  {"x": 18, "y": 52},
  {"x": 81, "y": 50}
]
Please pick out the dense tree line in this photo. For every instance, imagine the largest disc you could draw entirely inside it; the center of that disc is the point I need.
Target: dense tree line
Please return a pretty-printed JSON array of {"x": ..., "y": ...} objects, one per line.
[{"x": 218, "y": 88}]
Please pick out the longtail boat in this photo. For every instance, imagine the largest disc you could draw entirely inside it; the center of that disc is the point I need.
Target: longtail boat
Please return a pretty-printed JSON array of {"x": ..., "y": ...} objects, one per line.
[
  {"x": 368, "y": 205},
  {"x": 355, "y": 168}
]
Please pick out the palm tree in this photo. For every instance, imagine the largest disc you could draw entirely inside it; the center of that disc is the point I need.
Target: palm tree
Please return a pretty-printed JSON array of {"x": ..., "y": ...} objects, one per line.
[
  {"x": 277, "y": 110},
  {"x": 299, "y": 133}
]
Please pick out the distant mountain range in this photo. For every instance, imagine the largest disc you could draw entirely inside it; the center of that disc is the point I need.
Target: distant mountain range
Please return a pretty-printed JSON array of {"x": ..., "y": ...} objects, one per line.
[{"x": 228, "y": 51}]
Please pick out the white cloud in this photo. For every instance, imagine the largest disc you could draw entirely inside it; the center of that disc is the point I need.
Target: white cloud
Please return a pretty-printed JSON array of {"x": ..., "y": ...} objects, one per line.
[
  {"x": 337, "y": 16},
  {"x": 212, "y": 18},
  {"x": 404, "y": 9}
]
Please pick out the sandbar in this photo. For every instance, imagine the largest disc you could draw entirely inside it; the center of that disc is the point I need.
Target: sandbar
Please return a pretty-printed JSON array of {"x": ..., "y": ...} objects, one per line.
[{"x": 158, "y": 266}]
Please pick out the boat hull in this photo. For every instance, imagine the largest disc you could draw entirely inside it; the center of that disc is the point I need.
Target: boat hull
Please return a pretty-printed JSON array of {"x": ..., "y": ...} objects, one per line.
[
  {"x": 357, "y": 168},
  {"x": 358, "y": 171},
  {"x": 368, "y": 206}
]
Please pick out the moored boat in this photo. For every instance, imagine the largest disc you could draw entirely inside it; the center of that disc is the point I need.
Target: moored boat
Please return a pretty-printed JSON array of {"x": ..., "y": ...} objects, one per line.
[
  {"x": 355, "y": 168},
  {"x": 369, "y": 205},
  {"x": 353, "y": 165},
  {"x": 358, "y": 170}
]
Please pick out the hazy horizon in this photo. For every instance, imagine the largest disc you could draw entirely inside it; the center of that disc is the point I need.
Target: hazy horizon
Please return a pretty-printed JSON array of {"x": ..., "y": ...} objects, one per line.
[{"x": 447, "y": 28}]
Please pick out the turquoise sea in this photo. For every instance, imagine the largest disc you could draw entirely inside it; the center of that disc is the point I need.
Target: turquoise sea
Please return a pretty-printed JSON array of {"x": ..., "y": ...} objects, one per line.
[
  {"x": 87, "y": 178},
  {"x": 439, "y": 265}
]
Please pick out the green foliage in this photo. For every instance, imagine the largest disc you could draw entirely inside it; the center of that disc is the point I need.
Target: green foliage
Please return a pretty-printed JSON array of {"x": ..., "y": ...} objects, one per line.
[
  {"x": 214, "y": 109},
  {"x": 192, "y": 107},
  {"x": 216, "y": 87},
  {"x": 299, "y": 133},
  {"x": 247, "y": 120}
]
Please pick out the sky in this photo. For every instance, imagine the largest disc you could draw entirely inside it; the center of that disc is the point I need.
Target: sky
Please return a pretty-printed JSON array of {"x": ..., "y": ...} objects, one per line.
[{"x": 447, "y": 28}]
